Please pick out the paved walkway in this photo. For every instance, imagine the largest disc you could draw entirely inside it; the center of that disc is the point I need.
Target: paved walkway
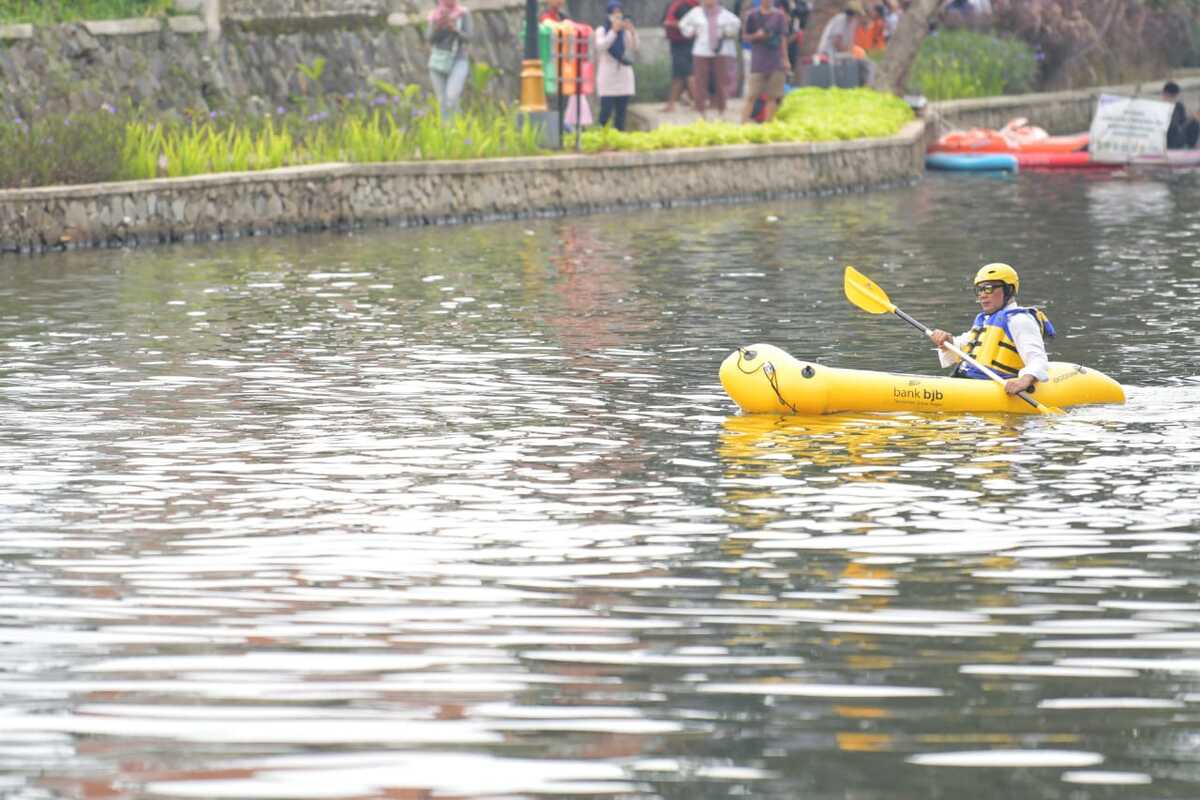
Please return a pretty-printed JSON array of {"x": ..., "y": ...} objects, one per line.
[{"x": 648, "y": 116}]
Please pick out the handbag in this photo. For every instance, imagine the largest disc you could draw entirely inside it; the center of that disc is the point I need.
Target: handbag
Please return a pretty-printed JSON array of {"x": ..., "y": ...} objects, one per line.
[{"x": 441, "y": 60}]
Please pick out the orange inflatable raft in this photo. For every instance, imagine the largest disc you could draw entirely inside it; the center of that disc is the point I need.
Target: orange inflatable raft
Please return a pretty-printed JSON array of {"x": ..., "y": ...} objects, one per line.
[{"x": 1016, "y": 137}]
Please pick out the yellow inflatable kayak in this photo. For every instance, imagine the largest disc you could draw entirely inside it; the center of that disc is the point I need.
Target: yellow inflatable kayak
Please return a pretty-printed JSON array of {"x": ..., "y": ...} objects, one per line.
[{"x": 762, "y": 379}]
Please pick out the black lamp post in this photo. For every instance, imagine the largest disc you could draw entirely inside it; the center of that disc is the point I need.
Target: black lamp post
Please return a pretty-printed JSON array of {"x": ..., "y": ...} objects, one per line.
[{"x": 533, "y": 92}]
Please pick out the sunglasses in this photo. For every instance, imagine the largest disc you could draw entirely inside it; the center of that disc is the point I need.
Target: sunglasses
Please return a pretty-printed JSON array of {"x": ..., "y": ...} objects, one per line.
[{"x": 987, "y": 288}]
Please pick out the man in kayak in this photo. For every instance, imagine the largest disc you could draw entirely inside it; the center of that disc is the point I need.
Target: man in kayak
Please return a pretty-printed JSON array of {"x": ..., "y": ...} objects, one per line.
[{"x": 1006, "y": 337}]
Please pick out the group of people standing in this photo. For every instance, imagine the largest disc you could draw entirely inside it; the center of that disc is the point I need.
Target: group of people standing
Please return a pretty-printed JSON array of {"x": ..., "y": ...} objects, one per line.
[
  {"x": 705, "y": 40},
  {"x": 449, "y": 31},
  {"x": 705, "y": 37},
  {"x": 857, "y": 30},
  {"x": 615, "y": 44}
]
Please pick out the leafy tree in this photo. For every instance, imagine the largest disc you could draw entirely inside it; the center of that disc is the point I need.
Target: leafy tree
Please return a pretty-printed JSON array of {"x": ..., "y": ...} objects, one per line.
[
  {"x": 1070, "y": 33},
  {"x": 892, "y": 71},
  {"x": 1071, "y": 36}
]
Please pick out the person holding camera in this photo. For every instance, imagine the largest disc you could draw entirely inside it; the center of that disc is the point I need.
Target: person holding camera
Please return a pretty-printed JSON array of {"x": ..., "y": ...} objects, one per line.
[
  {"x": 767, "y": 33},
  {"x": 714, "y": 30},
  {"x": 616, "y": 41}
]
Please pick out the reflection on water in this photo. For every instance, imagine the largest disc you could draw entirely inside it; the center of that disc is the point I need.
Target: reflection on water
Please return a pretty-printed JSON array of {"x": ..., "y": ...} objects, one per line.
[{"x": 465, "y": 513}]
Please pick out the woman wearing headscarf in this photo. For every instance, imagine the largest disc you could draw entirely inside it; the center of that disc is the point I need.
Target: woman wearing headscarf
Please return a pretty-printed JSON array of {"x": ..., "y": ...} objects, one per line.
[
  {"x": 714, "y": 29},
  {"x": 448, "y": 32},
  {"x": 616, "y": 41}
]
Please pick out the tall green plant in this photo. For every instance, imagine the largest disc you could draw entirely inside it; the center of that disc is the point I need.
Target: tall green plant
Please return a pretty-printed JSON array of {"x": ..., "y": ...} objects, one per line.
[
  {"x": 140, "y": 153},
  {"x": 401, "y": 128}
]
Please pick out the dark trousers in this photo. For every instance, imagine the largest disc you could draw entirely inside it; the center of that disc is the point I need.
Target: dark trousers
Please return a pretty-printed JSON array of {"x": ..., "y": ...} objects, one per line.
[{"x": 614, "y": 107}]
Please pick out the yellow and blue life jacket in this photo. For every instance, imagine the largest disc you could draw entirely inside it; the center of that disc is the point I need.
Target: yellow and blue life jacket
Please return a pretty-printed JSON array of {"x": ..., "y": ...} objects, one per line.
[{"x": 990, "y": 343}]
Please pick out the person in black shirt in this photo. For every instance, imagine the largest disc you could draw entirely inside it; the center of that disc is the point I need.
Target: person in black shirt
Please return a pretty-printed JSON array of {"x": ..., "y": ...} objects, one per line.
[
  {"x": 1183, "y": 130},
  {"x": 681, "y": 51}
]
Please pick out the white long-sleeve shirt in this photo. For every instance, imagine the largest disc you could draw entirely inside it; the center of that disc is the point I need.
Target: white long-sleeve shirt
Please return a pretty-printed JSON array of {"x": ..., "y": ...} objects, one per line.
[
  {"x": 840, "y": 27},
  {"x": 695, "y": 26},
  {"x": 1026, "y": 335}
]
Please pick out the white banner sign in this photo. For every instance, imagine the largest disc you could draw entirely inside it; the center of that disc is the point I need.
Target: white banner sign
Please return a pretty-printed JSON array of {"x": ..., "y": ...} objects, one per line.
[{"x": 1125, "y": 127}]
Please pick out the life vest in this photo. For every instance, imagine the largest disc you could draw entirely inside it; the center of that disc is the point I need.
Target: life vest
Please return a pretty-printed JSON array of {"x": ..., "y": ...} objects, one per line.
[{"x": 990, "y": 342}]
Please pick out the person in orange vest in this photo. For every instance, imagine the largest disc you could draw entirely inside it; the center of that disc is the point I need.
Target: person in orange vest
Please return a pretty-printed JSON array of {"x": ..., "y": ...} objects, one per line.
[{"x": 871, "y": 34}]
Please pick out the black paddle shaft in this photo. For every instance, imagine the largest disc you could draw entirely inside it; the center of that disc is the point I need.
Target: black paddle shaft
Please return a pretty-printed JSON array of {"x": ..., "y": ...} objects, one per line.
[{"x": 916, "y": 324}]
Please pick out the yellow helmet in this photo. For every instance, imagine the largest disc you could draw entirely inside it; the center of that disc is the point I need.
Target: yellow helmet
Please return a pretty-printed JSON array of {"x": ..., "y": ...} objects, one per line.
[{"x": 999, "y": 272}]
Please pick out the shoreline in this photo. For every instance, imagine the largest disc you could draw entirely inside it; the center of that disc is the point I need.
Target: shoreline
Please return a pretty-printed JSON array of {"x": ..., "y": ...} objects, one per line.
[{"x": 410, "y": 194}]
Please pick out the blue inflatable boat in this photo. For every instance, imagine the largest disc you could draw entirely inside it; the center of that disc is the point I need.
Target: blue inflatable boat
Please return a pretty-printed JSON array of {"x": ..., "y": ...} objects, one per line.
[{"x": 972, "y": 162}]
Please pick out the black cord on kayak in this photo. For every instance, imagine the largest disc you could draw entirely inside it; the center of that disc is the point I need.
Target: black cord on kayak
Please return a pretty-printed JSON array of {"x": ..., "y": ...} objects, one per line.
[
  {"x": 768, "y": 371},
  {"x": 749, "y": 355},
  {"x": 773, "y": 380}
]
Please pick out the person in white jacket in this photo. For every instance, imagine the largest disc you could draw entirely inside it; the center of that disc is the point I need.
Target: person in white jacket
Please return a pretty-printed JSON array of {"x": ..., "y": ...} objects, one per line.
[
  {"x": 616, "y": 41},
  {"x": 714, "y": 29}
]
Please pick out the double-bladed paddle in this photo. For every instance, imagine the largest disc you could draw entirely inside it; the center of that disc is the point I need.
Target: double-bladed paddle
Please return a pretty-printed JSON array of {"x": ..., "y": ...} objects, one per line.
[{"x": 866, "y": 294}]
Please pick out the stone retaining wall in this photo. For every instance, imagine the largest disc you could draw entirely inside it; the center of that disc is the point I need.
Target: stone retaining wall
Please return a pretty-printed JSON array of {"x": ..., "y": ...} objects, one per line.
[
  {"x": 285, "y": 9},
  {"x": 255, "y": 62},
  {"x": 344, "y": 195}
]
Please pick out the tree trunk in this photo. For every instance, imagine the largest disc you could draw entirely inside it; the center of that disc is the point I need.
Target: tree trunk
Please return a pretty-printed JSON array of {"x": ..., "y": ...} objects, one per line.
[
  {"x": 892, "y": 71},
  {"x": 1059, "y": 77}
]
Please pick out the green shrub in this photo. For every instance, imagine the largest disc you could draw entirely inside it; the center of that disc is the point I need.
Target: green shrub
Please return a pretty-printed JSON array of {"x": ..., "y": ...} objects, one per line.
[
  {"x": 652, "y": 81},
  {"x": 807, "y": 115},
  {"x": 61, "y": 149},
  {"x": 47, "y": 12},
  {"x": 961, "y": 63}
]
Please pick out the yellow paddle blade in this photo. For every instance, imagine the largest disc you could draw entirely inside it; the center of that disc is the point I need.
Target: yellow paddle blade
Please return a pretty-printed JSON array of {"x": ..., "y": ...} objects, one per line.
[
  {"x": 863, "y": 292},
  {"x": 1043, "y": 408}
]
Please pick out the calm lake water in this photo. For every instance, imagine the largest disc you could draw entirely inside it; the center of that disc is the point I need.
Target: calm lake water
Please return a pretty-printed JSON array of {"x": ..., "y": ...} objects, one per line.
[{"x": 465, "y": 512}]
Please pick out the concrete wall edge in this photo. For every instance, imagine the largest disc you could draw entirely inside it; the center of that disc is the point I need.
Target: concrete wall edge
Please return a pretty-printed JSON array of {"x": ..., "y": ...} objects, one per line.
[{"x": 418, "y": 193}]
